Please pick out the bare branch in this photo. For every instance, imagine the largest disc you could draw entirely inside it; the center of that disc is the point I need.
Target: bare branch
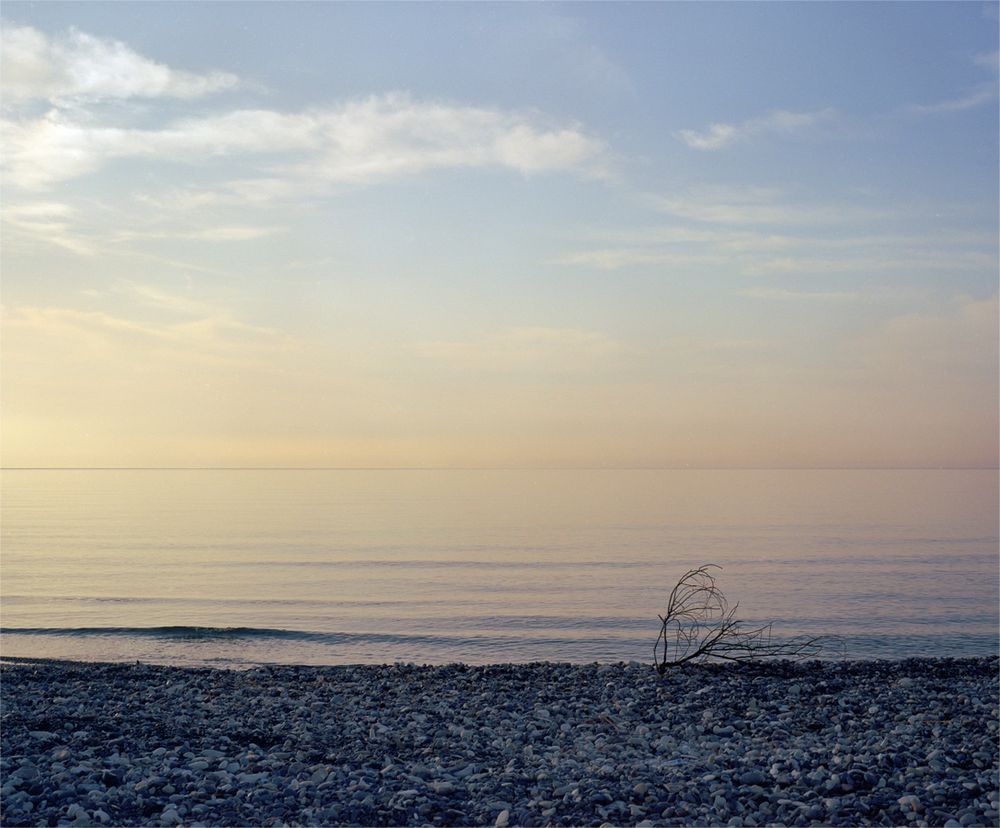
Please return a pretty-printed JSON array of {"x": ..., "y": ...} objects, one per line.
[{"x": 699, "y": 625}]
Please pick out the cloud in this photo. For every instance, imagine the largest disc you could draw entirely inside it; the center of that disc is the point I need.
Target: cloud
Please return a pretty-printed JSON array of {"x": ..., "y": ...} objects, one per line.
[
  {"x": 50, "y": 220},
  {"x": 155, "y": 297},
  {"x": 377, "y": 138},
  {"x": 77, "y": 66},
  {"x": 983, "y": 94},
  {"x": 757, "y": 205},
  {"x": 192, "y": 330},
  {"x": 877, "y": 261},
  {"x": 780, "y": 295},
  {"x": 744, "y": 258},
  {"x": 720, "y": 135},
  {"x": 715, "y": 137},
  {"x": 735, "y": 231},
  {"x": 62, "y": 225},
  {"x": 222, "y": 233}
]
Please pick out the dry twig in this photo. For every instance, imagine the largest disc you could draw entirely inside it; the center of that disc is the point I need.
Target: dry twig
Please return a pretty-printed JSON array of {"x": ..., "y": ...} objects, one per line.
[{"x": 700, "y": 625}]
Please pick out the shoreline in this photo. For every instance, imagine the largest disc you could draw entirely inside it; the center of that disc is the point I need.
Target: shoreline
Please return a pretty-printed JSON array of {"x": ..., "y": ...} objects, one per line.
[{"x": 908, "y": 742}]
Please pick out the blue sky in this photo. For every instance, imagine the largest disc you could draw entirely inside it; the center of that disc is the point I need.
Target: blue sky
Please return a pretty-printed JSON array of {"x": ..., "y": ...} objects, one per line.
[{"x": 648, "y": 234}]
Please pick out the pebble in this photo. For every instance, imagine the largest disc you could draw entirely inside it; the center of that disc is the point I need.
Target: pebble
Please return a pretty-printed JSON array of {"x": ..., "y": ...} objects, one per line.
[{"x": 818, "y": 743}]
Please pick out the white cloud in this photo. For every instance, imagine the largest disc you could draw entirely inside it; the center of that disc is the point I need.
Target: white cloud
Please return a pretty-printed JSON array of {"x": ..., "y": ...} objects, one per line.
[
  {"x": 983, "y": 94},
  {"x": 757, "y": 206},
  {"x": 234, "y": 233},
  {"x": 750, "y": 262},
  {"x": 720, "y": 135},
  {"x": 220, "y": 233},
  {"x": 715, "y": 137},
  {"x": 877, "y": 261},
  {"x": 77, "y": 66},
  {"x": 377, "y": 138},
  {"x": 390, "y": 135}
]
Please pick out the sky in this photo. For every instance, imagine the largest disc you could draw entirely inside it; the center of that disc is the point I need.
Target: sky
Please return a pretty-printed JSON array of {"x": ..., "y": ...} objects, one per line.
[{"x": 499, "y": 235}]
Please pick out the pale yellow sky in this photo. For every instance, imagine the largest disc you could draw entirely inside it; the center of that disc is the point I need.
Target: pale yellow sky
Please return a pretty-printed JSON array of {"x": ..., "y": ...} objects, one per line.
[{"x": 86, "y": 389}]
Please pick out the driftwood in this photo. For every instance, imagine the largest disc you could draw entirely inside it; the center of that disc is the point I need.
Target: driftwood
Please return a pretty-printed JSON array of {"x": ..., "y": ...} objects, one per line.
[{"x": 700, "y": 625}]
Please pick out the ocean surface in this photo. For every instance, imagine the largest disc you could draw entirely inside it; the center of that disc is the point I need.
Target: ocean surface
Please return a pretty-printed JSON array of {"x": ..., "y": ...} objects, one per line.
[{"x": 234, "y": 568}]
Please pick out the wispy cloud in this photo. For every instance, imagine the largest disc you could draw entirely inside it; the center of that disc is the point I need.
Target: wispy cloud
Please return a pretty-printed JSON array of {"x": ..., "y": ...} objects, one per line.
[
  {"x": 77, "y": 66},
  {"x": 779, "y": 122},
  {"x": 780, "y": 295},
  {"x": 221, "y": 233},
  {"x": 185, "y": 329},
  {"x": 377, "y": 138},
  {"x": 982, "y": 94},
  {"x": 798, "y": 262},
  {"x": 759, "y": 232},
  {"x": 757, "y": 206},
  {"x": 876, "y": 262},
  {"x": 152, "y": 296},
  {"x": 50, "y": 220},
  {"x": 979, "y": 95}
]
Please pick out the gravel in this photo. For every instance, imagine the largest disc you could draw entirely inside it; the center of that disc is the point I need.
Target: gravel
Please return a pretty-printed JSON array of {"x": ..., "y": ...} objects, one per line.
[{"x": 820, "y": 743}]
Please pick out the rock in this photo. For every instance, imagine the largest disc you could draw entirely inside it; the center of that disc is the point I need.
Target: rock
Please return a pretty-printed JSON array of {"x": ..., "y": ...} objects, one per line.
[
  {"x": 754, "y": 778},
  {"x": 457, "y": 744},
  {"x": 110, "y": 779},
  {"x": 503, "y": 818}
]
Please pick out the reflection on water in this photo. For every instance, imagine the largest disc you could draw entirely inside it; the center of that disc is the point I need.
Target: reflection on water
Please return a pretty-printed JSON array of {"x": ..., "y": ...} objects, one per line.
[{"x": 348, "y": 566}]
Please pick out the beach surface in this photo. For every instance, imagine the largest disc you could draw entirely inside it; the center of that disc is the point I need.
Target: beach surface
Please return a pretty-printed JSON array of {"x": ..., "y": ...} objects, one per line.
[{"x": 820, "y": 743}]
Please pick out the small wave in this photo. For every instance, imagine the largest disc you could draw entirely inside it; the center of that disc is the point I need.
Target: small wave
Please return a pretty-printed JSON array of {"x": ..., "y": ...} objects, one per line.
[
  {"x": 236, "y": 634},
  {"x": 253, "y": 645}
]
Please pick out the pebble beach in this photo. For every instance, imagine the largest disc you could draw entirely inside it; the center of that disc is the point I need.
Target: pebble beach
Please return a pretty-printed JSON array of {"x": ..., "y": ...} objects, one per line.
[{"x": 909, "y": 742}]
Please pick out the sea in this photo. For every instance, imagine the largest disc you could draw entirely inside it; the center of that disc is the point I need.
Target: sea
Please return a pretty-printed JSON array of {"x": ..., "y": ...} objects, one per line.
[{"x": 238, "y": 568}]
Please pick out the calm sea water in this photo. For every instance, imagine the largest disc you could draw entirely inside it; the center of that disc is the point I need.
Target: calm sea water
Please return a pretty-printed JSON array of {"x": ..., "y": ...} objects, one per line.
[{"x": 234, "y": 568}]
